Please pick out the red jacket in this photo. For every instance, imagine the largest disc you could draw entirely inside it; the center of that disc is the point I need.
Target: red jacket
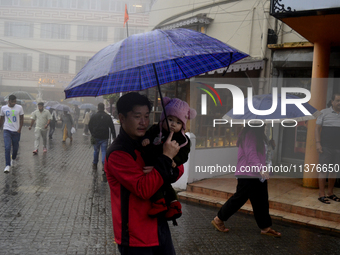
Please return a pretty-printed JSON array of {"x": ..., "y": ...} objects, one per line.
[{"x": 131, "y": 190}]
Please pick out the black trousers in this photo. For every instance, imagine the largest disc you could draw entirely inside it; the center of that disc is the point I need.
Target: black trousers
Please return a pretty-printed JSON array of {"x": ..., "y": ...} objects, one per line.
[{"x": 254, "y": 190}]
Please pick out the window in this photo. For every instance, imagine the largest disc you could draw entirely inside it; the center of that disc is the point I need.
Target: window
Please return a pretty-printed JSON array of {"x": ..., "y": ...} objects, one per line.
[
  {"x": 81, "y": 61},
  {"x": 20, "y": 62},
  {"x": 19, "y": 29},
  {"x": 55, "y": 31},
  {"x": 53, "y": 64},
  {"x": 92, "y": 33}
]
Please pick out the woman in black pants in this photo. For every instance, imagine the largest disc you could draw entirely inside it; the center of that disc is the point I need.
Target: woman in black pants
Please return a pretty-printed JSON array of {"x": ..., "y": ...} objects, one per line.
[{"x": 251, "y": 182}]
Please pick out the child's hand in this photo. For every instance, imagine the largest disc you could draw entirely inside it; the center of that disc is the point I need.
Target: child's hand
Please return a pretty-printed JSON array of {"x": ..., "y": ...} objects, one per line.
[
  {"x": 145, "y": 142},
  {"x": 173, "y": 164},
  {"x": 147, "y": 169}
]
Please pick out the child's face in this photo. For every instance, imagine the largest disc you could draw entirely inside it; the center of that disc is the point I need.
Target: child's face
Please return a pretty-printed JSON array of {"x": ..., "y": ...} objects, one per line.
[{"x": 174, "y": 123}]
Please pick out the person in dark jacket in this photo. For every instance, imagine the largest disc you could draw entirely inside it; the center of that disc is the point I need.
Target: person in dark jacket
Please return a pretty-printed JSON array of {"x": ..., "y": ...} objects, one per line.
[
  {"x": 100, "y": 125},
  {"x": 132, "y": 183}
]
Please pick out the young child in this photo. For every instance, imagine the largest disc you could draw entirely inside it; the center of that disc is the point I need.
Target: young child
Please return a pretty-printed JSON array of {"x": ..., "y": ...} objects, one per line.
[{"x": 178, "y": 113}]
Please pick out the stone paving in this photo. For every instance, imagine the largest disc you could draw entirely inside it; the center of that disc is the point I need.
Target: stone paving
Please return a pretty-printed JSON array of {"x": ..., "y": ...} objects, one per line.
[{"x": 54, "y": 203}]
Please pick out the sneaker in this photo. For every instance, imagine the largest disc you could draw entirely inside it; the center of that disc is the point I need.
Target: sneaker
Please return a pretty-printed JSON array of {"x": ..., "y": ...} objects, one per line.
[
  {"x": 94, "y": 166},
  {"x": 6, "y": 170},
  {"x": 35, "y": 152},
  {"x": 45, "y": 150},
  {"x": 13, "y": 162}
]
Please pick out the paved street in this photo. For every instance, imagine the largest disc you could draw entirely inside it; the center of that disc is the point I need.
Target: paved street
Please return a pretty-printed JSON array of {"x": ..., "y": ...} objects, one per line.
[{"x": 54, "y": 203}]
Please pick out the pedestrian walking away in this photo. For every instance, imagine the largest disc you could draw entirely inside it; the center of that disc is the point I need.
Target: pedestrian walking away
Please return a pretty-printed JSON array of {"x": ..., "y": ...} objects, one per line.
[
  {"x": 76, "y": 116},
  {"x": 100, "y": 125},
  {"x": 86, "y": 121},
  {"x": 42, "y": 117},
  {"x": 52, "y": 123},
  {"x": 327, "y": 137},
  {"x": 132, "y": 184},
  {"x": 67, "y": 125},
  {"x": 252, "y": 185},
  {"x": 12, "y": 119},
  {"x": 165, "y": 200}
]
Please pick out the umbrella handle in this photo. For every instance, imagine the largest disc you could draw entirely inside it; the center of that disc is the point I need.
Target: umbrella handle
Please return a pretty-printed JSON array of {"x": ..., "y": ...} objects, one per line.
[{"x": 160, "y": 93}]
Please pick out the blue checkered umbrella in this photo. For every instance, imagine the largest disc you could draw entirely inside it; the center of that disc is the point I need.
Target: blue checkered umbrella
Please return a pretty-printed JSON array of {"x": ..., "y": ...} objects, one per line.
[{"x": 146, "y": 60}]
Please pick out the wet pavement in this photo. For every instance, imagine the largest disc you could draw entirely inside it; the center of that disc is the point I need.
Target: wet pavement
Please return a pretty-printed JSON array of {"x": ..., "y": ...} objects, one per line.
[{"x": 54, "y": 203}]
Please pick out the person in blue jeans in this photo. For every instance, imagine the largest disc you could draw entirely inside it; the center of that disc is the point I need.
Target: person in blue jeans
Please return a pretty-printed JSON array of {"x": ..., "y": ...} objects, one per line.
[
  {"x": 100, "y": 125},
  {"x": 12, "y": 117}
]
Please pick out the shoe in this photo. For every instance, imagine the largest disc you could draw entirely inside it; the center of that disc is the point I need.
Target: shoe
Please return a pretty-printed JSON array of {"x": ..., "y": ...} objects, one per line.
[
  {"x": 51, "y": 138},
  {"x": 271, "y": 232},
  {"x": 13, "y": 162},
  {"x": 63, "y": 141},
  {"x": 45, "y": 150},
  {"x": 334, "y": 197},
  {"x": 71, "y": 139},
  {"x": 157, "y": 207},
  {"x": 174, "y": 211},
  {"x": 35, "y": 152},
  {"x": 6, "y": 170},
  {"x": 219, "y": 225},
  {"x": 94, "y": 166},
  {"x": 324, "y": 200}
]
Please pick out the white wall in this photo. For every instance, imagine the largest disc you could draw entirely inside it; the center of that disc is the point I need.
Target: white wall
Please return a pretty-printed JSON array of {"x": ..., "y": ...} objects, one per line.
[{"x": 205, "y": 157}]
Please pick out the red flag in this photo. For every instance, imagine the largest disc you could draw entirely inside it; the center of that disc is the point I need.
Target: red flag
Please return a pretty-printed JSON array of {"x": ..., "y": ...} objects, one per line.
[{"x": 126, "y": 15}]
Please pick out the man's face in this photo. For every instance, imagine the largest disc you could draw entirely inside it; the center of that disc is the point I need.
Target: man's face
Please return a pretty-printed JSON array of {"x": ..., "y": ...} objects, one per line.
[
  {"x": 136, "y": 122},
  {"x": 41, "y": 107},
  {"x": 11, "y": 103},
  {"x": 336, "y": 103}
]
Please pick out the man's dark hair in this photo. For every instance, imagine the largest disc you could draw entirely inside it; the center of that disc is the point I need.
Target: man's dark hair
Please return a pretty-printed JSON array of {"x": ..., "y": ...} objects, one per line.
[
  {"x": 12, "y": 97},
  {"x": 334, "y": 95},
  {"x": 126, "y": 102},
  {"x": 101, "y": 107},
  {"x": 41, "y": 103}
]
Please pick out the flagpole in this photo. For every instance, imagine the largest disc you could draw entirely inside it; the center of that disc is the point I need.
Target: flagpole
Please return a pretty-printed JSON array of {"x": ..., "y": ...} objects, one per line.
[{"x": 127, "y": 28}]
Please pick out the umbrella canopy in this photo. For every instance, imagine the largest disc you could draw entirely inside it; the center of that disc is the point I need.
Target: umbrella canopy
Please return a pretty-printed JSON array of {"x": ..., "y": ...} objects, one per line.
[
  {"x": 146, "y": 60},
  {"x": 74, "y": 102},
  {"x": 2, "y": 99},
  {"x": 264, "y": 102},
  {"x": 62, "y": 107},
  {"x": 88, "y": 106},
  {"x": 22, "y": 95},
  {"x": 51, "y": 103}
]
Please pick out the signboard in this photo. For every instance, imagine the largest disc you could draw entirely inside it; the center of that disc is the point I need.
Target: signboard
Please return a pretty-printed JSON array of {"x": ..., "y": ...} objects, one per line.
[{"x": 302, "y": 7}]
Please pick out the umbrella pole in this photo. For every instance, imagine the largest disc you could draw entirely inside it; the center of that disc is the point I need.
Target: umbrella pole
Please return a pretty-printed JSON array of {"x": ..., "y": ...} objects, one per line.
[{"x": 160, "y": 93}]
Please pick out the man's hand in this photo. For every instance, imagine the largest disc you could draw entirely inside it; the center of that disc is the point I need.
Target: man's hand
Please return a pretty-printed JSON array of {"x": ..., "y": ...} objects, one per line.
[
  {"x": 319, "y": 147},
  {"x": 145, "y": 142},
  {"x": 46, "y": 126},
  {"x": 19, "y": 130},
  {"x": 147, "y": 169},
  {"x": 170, "y": 148},
  {"x": 265, "y": 175},
  {"x": 30, "y": 128}
]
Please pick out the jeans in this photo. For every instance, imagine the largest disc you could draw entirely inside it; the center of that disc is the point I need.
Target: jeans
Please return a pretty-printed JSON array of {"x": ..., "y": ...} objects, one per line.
[
  {"x": 11, "y": 137},
  {"x": 101, "y": 144}
]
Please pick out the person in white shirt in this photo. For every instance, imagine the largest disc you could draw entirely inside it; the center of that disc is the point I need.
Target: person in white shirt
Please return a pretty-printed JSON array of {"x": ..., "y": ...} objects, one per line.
[
  {"x": 43, "y": 118},
  {"x": 13, "y": 116}
]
